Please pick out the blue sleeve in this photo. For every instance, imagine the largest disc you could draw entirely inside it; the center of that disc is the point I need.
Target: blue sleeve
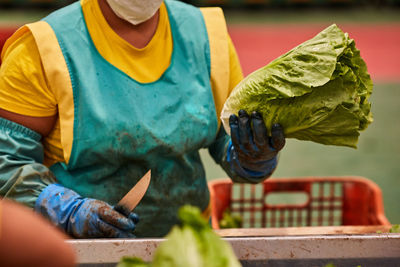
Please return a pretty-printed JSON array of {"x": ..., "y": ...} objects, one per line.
[
  {"x": 220, "y": 151},
  {"x": 22, "y": 173}
]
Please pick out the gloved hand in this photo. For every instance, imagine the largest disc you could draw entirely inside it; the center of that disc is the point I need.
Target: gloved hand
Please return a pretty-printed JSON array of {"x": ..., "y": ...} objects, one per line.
[
  {"x": 83, "y": 217},
  {"x": 252, "y": 153}
]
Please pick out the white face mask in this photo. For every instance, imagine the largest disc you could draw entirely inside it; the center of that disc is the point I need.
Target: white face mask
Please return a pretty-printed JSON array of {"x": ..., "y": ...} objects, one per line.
[{"x": 135, "y": 11}]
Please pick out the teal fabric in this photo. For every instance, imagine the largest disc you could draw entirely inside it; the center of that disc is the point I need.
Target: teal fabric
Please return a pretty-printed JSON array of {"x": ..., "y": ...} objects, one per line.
[
  {"x": 123, "y": 128},
  {"x": 22, "y": 176}
]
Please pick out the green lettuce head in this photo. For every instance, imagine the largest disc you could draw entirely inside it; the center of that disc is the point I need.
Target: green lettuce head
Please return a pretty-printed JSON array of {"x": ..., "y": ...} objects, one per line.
[
  {"x": 318, "y": 91},
  {"x": 193, "y": 243}
]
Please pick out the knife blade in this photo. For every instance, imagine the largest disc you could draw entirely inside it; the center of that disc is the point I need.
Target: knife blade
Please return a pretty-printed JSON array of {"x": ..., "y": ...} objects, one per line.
[{"x": 133, "y": 197}]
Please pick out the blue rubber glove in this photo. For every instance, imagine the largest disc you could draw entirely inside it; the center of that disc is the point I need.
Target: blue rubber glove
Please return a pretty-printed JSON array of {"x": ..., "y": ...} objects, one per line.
[
  {"x": 251, "y": 152},
  {"x": 83, "y": 217}
]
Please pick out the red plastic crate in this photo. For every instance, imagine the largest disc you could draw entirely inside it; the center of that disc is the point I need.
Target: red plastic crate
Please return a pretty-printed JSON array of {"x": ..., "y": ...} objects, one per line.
[
  {"x": 315, "y": 201},
  {"x": 5, "y": 33}
]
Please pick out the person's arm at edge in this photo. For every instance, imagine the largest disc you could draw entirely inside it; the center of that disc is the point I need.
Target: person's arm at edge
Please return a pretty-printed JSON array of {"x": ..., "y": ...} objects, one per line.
[{"x": 26, "y": 239}]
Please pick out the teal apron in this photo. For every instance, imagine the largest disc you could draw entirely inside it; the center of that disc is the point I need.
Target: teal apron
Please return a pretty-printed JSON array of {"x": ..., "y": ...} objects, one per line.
[{"x": 123, "y": 128}]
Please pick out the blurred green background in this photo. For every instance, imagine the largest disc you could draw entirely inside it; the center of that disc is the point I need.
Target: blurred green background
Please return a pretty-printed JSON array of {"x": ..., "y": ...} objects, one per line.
[{"x": 378, "y": 153}]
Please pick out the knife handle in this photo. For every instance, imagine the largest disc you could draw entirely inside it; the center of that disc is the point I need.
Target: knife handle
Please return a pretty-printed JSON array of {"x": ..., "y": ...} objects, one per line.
[{"x": 122, "y": 209}]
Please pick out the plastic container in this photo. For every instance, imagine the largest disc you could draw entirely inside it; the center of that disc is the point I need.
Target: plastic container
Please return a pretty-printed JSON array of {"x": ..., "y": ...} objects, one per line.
[{"x": 299, "y": 201}]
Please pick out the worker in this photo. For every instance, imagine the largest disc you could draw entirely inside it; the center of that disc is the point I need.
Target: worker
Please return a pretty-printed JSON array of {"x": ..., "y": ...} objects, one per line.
[
  {"x": 101, "y": 91},
  {"x": 26, "y": 239}
]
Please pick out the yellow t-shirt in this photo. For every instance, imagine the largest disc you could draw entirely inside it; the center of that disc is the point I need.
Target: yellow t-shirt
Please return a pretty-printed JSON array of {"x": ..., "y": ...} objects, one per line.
[{"x": 25, "y": 90}]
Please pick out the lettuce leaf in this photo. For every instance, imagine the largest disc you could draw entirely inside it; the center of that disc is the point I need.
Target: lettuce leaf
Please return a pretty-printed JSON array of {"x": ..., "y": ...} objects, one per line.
[
  {"x": 193, "y": 243},
  {"x": 317, "y": 91},
  {"x": 132, "y": 262}
]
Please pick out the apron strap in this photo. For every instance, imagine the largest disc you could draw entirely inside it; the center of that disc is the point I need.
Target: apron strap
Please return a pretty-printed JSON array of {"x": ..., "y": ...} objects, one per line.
[
  {"x": 219, "y": 50},
  {"x": 59, "y": 80}
]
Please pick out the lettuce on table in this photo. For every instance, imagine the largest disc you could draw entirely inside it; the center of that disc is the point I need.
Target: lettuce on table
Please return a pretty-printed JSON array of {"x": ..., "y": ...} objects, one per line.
[
  {"x": 318, "y": 91},
  {"x": 192, "y": 244}
]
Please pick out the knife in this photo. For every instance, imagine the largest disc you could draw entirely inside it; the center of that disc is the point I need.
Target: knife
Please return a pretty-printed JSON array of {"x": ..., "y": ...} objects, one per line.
[{"x": 133, "y": 197}]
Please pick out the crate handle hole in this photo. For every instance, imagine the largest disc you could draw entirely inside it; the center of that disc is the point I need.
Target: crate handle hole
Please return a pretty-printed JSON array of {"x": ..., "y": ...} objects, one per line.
[{"x": 287, "y": 199}]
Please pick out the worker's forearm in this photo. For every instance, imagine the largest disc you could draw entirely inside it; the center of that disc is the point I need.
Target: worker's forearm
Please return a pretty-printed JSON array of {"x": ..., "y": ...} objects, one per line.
[
  {"x": 22, "y": 174},
  {"x": 255, "y": 172},
  {"x": 29, "y": 240},
  {"x": 219, "y": 151},
  {"x": 219, "y": 147}
]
